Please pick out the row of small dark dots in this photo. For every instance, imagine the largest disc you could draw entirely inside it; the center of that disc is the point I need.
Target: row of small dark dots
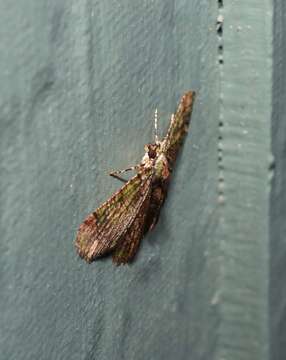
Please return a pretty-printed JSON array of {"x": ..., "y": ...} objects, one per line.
[{"x": 219, "y": 29}]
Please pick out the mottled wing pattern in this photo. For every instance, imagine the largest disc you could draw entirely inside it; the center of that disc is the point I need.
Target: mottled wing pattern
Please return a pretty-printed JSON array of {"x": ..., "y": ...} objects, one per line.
[
  {"x": 157, "y": 200},
  {"x": 130, "y": 241},
  {"x": 178, "y": 127},
  {"x": 102, "y": 229}
]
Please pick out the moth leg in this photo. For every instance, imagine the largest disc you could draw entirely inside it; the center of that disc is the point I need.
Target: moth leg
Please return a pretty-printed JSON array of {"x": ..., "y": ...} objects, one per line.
[{"x": 116, "y": 174}]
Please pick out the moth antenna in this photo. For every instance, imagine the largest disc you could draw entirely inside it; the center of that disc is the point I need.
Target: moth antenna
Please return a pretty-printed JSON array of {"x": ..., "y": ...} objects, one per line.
[
  {"x": 156, "y": 126},
  {"x": 116, "y": 174}
]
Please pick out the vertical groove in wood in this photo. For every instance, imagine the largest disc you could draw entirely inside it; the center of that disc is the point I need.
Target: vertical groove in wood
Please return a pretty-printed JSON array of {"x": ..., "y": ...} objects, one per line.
[{"x": 277, "y": 170}]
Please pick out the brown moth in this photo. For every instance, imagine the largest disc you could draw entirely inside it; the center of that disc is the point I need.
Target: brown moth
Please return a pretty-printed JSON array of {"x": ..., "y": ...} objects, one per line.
[{"x": 119, "y": 224}]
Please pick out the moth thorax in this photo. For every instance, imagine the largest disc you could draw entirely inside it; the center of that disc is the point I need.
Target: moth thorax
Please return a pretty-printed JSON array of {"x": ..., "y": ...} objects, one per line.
[{"x": 162, "y": 167}]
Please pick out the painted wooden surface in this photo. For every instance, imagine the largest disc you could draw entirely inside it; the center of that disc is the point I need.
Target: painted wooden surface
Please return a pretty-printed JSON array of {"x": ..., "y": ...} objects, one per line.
[
  {"x": 277, "y": 290},
  {"x": 80, "y": 80}
]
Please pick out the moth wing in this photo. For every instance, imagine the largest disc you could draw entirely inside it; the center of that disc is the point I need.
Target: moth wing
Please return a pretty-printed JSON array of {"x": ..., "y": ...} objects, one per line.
[
  {"x": 145, "y": 221},
  {"x": 157, "y": 199},
  {"x": 130, "y": 241},
  {"x": 102, "y": 229},
  {"x": 178, "y": 127}
]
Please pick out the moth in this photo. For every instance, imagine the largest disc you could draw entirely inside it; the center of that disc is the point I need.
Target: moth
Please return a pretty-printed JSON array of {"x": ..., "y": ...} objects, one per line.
[{"x": 118, "y": 225}]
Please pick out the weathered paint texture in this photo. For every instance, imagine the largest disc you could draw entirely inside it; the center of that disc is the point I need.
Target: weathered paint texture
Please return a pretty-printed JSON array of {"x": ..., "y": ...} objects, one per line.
[{"x": 80, "y": 80}]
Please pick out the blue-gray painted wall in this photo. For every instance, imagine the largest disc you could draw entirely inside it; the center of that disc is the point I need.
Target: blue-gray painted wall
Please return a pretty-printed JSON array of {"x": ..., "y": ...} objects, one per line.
[{"x": 80, "y": 80}]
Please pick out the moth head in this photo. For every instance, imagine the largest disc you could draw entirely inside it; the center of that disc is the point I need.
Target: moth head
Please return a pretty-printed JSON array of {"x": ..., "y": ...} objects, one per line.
[{"x": 152, "y": 150}]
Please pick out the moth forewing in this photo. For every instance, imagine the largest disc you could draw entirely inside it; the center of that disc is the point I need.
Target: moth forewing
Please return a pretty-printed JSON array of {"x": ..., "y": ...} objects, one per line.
[
  {"x": 100, "y": 232},
  {"x": 178, "y": 128}
]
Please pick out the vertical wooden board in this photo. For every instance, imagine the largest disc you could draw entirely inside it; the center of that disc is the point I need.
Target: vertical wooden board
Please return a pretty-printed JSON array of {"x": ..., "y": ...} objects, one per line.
[
  {"x": 79, "y": 84},
  {"x": 245, "y": 155}
]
